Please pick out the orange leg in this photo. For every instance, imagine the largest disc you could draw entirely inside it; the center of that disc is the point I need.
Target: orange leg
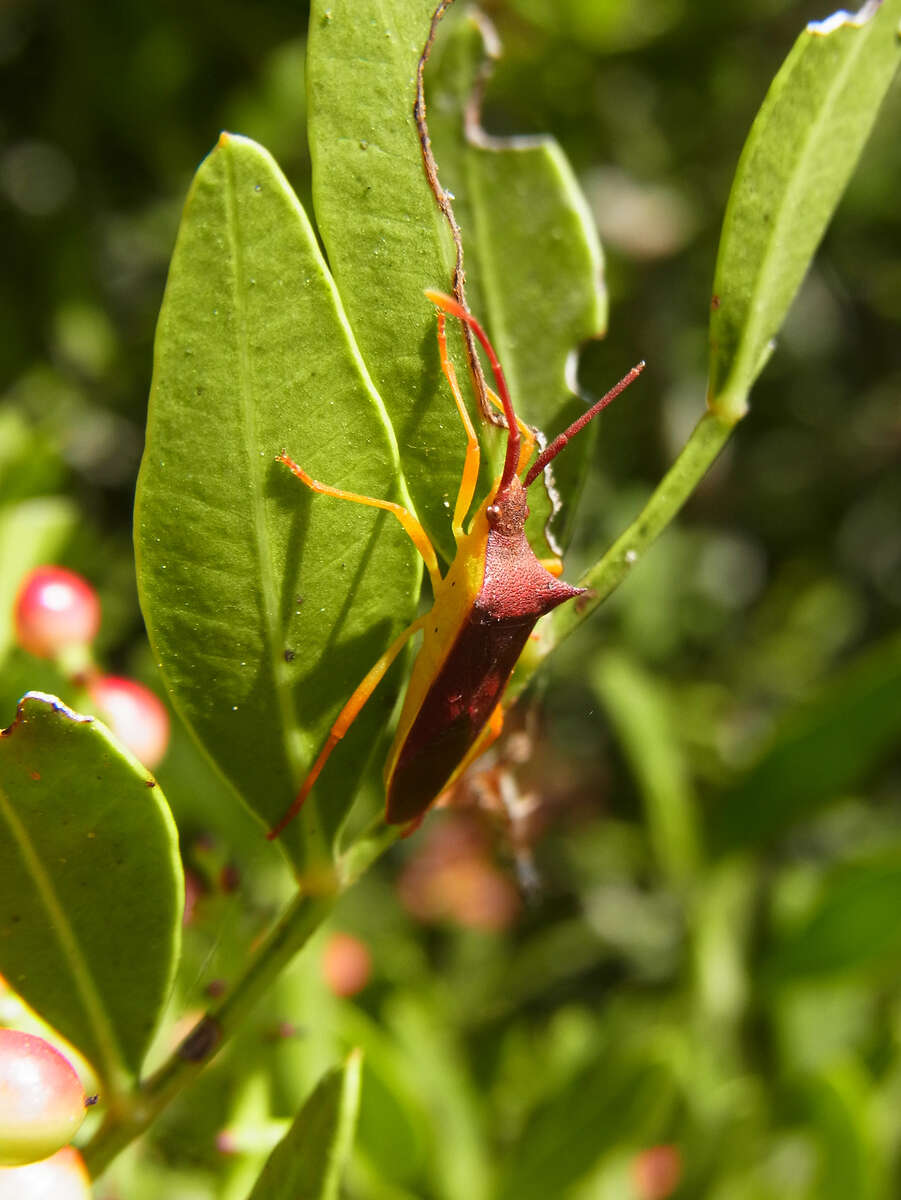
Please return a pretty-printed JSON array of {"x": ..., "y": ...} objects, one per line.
[
  {"x": 417, "y": 534},
  {"x": 346, "y": 718},
  {"x": 471, "y": 462}
]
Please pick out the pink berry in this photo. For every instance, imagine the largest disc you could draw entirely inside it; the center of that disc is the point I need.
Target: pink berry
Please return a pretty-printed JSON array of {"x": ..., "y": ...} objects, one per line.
[
  {"x": 656, "y": 1172},
  {"x": 346, "y": 964},
  {"x": 55, "y": 609},
  {"x": 61, "y": 1177},
  {"x": 134, "y": 714},
  {"x": 41, "y": 1099}
]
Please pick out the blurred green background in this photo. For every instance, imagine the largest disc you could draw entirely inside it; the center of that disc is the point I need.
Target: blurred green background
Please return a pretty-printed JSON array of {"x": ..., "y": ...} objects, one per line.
[{"x": 688, "y": 934}]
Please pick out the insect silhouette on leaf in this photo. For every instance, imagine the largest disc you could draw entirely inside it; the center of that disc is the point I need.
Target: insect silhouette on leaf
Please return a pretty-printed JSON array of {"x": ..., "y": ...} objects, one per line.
[
  {"x": 484, "y": 609},
  {"x": 495, "y": 590}
]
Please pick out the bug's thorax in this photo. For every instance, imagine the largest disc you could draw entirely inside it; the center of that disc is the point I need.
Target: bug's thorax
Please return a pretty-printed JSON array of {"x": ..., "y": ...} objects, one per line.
[{"x": 515, "y": 586}]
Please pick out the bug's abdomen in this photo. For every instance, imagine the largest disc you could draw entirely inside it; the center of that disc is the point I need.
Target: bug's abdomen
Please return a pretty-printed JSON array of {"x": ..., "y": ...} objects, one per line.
[{"x": 454, "y": 711}]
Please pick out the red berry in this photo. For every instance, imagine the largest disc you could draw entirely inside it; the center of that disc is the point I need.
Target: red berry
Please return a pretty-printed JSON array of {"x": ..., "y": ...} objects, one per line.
[
  {"x": 62, "y": 1177},
  {"x": 55, "y": 609},
  {"x": 135, "y": 715},
  {"x": 346, "y": 964},
  {"x": 41, "y": 1099}
]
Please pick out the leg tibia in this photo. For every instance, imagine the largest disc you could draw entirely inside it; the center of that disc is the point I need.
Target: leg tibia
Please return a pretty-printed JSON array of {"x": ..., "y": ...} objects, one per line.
[
  {"x": 345, "y": 719},
  {"x": 415, "y": 531},
  {"x": 473, "y": 456}
]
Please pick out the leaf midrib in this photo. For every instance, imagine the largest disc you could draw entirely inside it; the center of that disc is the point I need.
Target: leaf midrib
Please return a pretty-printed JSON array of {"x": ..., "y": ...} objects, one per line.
[
  {"x": 261, "y": 541},
  {"x": 113, "y": 1064},
  {"x": 753, "y": 341}
]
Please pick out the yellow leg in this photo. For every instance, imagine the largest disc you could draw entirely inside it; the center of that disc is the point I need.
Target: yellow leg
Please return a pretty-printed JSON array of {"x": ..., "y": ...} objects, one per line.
[
  {"x": 417, "y": 534},
  {"x": 346, "y": 718},
  {"x": 473, "y": 455}
]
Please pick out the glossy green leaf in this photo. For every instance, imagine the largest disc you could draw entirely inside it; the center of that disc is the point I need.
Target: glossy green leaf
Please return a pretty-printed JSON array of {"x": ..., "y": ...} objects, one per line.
[
  {"x": 643, "y": 720},
  {"x": 802, "y": 149},
  {"x": 529, "y": 243},
  {"x": 266, "y": 604},
  {"x": 534, "y": 267},
  {"x": 817, "y": 753},
  {"x": 308, "y": 1161},
  {"x": 853, "y": 926},
  {"x": 90, "y": 884}
]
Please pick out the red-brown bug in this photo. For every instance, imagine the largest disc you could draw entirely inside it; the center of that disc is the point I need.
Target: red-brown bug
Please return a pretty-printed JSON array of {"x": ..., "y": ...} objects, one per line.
[{"x": 484, "y": 608}]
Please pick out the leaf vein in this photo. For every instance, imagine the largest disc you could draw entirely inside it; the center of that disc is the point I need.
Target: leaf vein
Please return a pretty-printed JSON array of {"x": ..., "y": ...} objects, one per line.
[{"x": 107, "y": 1041}]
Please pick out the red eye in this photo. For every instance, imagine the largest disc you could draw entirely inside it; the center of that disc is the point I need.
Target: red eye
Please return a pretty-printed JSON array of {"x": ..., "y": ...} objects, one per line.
[{"x": 493, "y": 513}]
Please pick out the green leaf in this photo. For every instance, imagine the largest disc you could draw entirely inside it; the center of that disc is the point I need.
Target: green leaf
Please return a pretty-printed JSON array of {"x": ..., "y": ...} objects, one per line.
[
  {"x": 308, "y": 1161},
  {"x": 531, "y": 252},
  {"x": 91, "y": 887},
  {"x": 610, "y": 1103},
  {"x": 393, "y": 1129},
  {"x": 818, "y": 752},
  {"x": 266, "y": 604},
  {"x": 643, "y": 720},
  {"x": 802, "y": 149},
  {"x": 534, "y": 266},
  {"x": 385, "y": 238},
  {"x": 852, "y": 1159},
  {"x": 459, "y": 1155},
  {"x": 854, "y": 926}
]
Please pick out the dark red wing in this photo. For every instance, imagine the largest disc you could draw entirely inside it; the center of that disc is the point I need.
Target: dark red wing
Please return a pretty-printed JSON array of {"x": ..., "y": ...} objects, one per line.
[
  {"x": 516, "y": 591},
  {"x": 453, "y": 714}
]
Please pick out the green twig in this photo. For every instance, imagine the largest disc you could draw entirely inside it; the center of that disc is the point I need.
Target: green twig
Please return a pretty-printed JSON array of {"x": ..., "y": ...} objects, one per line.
[
  {"x": 123, "y": 1124},
  {"x": 707, "y": 440}
]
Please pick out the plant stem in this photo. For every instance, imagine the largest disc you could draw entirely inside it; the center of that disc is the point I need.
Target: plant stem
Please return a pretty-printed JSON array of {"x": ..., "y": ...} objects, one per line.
[
  {"x": 707, "y": 439},
  {"x": 370, "y": 845},
  {"x": 299, "y": 921}
]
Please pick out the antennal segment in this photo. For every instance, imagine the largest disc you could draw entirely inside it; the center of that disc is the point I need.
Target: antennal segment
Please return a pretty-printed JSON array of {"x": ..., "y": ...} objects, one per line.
[{"x": 563, "y": 438}]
